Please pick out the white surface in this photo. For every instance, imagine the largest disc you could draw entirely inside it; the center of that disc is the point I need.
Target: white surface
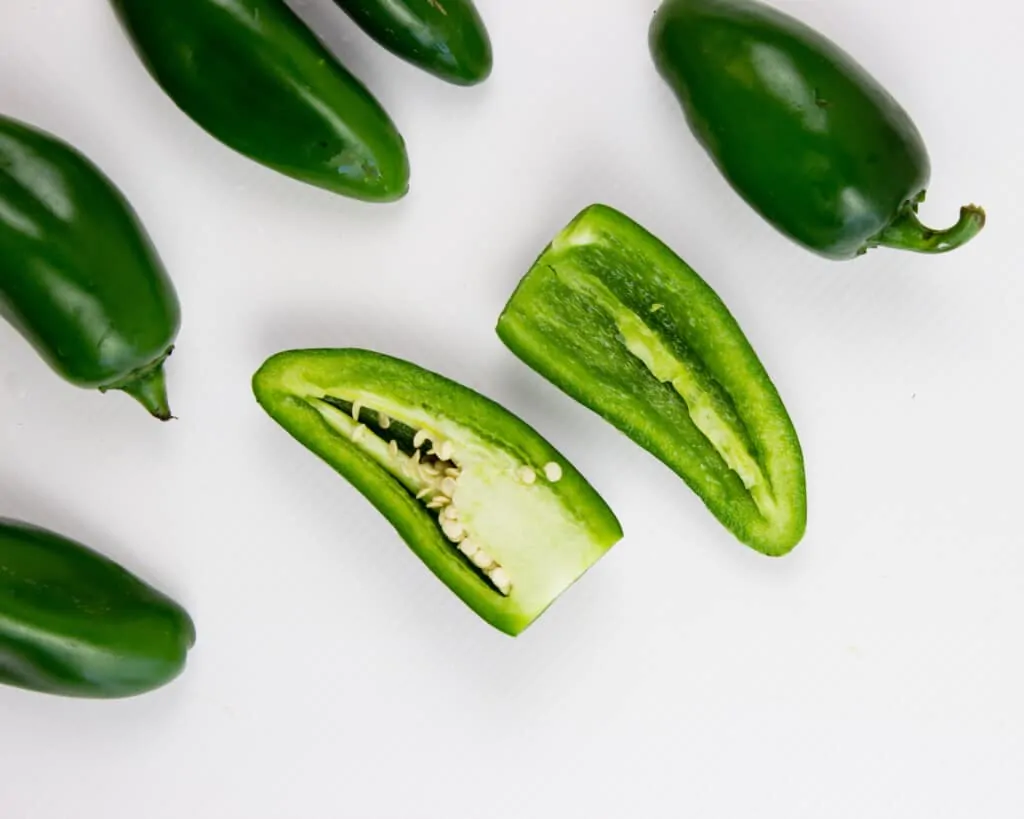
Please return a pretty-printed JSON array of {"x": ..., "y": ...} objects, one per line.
[{"x": 873, "y": 673}]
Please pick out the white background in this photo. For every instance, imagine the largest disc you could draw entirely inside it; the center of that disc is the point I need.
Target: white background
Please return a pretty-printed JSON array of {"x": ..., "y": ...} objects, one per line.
[{"x": 875, "y": 672}]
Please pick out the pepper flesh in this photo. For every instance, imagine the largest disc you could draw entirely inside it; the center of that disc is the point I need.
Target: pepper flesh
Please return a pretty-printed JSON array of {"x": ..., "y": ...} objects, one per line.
[
  {"x": 619, "y": 322},
  {"x": 799, "y": 129},
  {"x": 544, "y": 534},
  {"x": 75, "y": 624},
  {"x": 79, "y": 277},
  {"x": 255, "y": 77},
  {"x": 445, "y": 37}
]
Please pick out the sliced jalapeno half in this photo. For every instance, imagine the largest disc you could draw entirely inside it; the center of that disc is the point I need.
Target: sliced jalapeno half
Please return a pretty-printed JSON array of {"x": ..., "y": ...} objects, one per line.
[
  {"x": 499, "y": 515},
  {"x": 614, "y": 318}
]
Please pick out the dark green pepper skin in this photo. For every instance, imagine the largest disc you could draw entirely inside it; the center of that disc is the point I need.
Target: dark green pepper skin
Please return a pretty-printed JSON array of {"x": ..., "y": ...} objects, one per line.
[
  {"x": 255, "y": 77},
  {"x": 445, "y": 37},
  {"x": 799, "y": 129},
  {"x": 79, "y": 277},
  {"x": 75, "y": 624},
  {"x": 614, "y": 318}
]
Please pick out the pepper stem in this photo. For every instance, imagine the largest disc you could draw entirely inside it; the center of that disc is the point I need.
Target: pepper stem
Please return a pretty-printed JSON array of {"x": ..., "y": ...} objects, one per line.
[
  {"x": 907, "y": 233},
  {"x": 149, "y": 389}
]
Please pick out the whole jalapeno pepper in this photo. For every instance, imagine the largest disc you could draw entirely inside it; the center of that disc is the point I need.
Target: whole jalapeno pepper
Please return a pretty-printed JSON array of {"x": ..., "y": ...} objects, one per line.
[
  {"x": 252, "y": 75},
  {"x": 799, "y": 129},
  {"x": 79, "y": 277},
  {"x": 445, "y": 37},
  {"x": 76, "y": 624}
]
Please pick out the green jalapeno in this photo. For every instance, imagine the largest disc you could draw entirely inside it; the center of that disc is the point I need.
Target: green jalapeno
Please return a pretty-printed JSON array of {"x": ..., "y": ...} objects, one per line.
[
  {"x": 75, "y": 624},
  {"x": 494, "y": 511},
  {"x": 799, "y": 129},
  {"x": 445, "y": 37},
  {"x": 251, "y": 74},
  {"x": 79, "y": 277},
  {"x": 619, "y": 322}
]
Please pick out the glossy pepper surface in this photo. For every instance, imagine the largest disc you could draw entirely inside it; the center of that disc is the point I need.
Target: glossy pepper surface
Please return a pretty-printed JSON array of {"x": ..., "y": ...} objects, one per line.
[
  {"x": 491, "y": 508},
  {"x": 79, "y": 277},
  {"x": 618, "y": 321},
  {"x": 445, "y": 37},
  {"x": 75, "y": 624},
  {"x": 255, "y": 77},
  {"x": 799, "y": 129}
]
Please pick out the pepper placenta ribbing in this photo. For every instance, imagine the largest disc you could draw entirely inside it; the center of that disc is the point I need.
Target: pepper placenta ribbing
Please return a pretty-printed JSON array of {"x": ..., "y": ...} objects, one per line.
[
  {"x": 495, "y": 512},
  {"x": 619, "y": 322},
  {"x": 76, "y": 624},
  {"x": 445, "y": 37},
  {"x": 799, "y": 129},
  {"x": 79, "y": 277},
  {"x": 255, "y": 77}
]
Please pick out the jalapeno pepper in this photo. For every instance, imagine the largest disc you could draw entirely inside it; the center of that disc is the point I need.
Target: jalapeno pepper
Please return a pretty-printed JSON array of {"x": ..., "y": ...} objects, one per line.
[
  {"x": 79, "y": 277},
  {"x": 619, "y": 322},
  {"x": 799, "y": 129},
  {"x": 445, "y": 37},
  {"x": 76, "y": 624},
  {"x": 494, "y": 511},
  {"x": 255, "y": 77}
]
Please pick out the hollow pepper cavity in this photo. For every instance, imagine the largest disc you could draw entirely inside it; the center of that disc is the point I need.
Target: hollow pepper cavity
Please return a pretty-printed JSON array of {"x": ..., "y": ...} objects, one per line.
[
  {"x": 799, "y": 129},
  {"x": 618, "y": 321},
  {"x": 255, "y": 77},
  {"x": 75, "y": 624},
  {"x": 79, "y": 277},
  {"x": 492, "y": 509},
  {"x": 444, "y": 37}
]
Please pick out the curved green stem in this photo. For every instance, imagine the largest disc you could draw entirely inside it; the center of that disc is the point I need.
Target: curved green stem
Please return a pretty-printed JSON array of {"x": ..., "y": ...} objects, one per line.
[
  {"x": 148, "y": 387},
  {"x": 907, "y": 233}
]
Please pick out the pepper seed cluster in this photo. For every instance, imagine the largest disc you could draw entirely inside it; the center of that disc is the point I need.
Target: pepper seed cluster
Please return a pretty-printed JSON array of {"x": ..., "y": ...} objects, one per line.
[{"x": 438, "y": 473}]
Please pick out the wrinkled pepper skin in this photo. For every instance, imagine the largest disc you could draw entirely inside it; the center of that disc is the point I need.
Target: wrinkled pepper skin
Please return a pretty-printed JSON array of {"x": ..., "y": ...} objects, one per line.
[
  {"x": 620, "y": 323},
  {"x": 544, "y": 530},
  {"x": 255, "y": 77},
  {"x": 445, "y": 37},
  {"x": 75, "y": 624},
  {"x": 799, "y": 129},
  {"x": 79, "y": 277}
]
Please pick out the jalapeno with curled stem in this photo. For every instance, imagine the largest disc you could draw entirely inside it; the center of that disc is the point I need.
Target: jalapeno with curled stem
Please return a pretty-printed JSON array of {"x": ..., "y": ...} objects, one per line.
[{"x": 800, "y": 130}]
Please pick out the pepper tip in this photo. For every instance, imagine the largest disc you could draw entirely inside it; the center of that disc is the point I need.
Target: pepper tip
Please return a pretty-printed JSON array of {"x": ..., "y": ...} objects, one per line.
[{"x": 149, "y": 388}]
